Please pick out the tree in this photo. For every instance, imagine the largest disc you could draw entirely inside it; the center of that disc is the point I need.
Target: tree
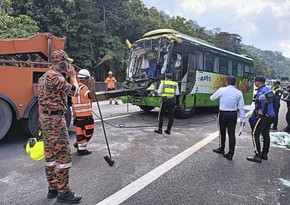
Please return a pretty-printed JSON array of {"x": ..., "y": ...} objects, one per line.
[
  {"x": 228, "y": 41},
  {"x": 182, "y": 25},
  {"x": 15, "y": 26}
]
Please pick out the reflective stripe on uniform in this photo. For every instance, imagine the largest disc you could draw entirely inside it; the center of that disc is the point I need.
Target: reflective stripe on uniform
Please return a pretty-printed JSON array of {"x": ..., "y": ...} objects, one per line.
[
  {"x": 50, "y": 164},
  {"x": 81, "y": 105},
  {"x": 64, "y": 166}
]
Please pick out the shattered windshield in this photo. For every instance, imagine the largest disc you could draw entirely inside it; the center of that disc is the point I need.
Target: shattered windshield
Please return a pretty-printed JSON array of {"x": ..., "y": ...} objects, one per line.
[{"x": 149, "y": 58}]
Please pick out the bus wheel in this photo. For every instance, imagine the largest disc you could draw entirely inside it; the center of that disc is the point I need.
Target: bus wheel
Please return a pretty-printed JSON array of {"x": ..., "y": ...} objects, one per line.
[
  {"x": 146, "y": 108},
  {"x": 184, "y": 113},
  {"x": 5, "y": 118},
  {"x": 31, "y": 125}
]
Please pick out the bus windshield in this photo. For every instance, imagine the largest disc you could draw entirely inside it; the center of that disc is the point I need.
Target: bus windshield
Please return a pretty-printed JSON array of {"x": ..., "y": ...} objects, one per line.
[{"x": 149, "y": 58}]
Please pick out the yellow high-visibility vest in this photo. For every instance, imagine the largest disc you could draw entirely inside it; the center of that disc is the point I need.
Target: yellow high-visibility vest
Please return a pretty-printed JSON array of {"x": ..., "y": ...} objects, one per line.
[
  {"x": 169, "y": 88},
  {"x": 276, "y": 89}
]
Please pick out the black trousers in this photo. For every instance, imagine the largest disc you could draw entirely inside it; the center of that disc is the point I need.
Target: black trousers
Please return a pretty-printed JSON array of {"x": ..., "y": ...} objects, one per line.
[
  {"x": 167, "y": 105},
  {"x": 262, "y": 126},
  {"x": 275, "y": 123},
  {"x": 227, "y": 122},
  {"x": 288, "y": 119}
]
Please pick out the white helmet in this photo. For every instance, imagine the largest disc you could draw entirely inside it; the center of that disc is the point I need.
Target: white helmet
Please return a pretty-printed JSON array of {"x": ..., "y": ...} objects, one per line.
[{"x": 84, "y": 73}]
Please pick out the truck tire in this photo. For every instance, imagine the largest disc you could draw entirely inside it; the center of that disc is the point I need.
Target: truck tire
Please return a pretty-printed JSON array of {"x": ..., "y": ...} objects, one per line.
[
  {"x": 31, "y": 124},
  {"x": 5, "y": 118}
]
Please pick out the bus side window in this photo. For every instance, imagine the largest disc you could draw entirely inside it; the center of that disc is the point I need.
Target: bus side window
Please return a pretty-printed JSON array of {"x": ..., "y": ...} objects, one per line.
[
  {"x": 240, "y": 70},
  {"x": 216, "y": 65},
  {"x": 234, "y": 68},
  {"x": 199, "y": 60},
  {"x": 209, "y": 62},
  {"x": 230, "y": 70},
  {"x": 223, "y": 63}
]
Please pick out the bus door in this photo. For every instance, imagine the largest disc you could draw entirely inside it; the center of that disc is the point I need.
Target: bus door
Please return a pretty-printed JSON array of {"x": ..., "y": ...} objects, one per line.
[{"x": 188, "y": 76}]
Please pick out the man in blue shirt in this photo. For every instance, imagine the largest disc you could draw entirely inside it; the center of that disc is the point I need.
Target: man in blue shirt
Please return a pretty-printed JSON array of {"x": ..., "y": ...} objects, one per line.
[
  {"x": 262, "y": 118},
  {"x": 231, "y": 100}
]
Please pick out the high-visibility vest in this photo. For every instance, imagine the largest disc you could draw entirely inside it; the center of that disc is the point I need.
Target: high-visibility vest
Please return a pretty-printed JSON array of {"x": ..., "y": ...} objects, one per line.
[
  {"x": 82, "y": 104},
  {"x": 169, "y": 88},
  {"x": 111, "y": 82},
  {"x": 276, "y": 89}
]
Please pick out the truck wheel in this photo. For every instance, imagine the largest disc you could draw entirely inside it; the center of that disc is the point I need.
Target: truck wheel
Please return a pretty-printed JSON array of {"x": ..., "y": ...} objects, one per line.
[
  {"x": 5, "y": 118},
  {"x": 31, "y": 124}
]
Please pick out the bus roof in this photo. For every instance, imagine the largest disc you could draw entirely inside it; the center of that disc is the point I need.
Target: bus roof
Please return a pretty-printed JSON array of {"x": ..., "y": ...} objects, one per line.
[{"x": 176, "y": 36}]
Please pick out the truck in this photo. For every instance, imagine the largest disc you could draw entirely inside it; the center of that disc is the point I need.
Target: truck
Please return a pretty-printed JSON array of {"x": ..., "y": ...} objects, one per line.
[{"x": 22, "y": 62}]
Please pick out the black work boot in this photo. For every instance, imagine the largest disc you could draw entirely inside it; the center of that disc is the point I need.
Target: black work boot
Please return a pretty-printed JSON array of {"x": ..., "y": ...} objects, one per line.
[
  {"x": 167, "y": 132},
  {"x": 229, "y": 156},
  {"x": 70, "y": 198},
  {"x": 219, "y": 150},
  {"x": 52, "y": 193},
  {"x": 256, "y": 158},
  {"x": 76, "y": 145},
  {"x": 158, "y": 131},
  {"x": 84, "y": 152},
  {"x": 264, "y": 156}
]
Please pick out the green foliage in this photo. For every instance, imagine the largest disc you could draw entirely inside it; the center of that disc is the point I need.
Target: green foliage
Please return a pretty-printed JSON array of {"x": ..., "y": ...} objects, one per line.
[
  {"x": 98, "y": 28},
  {"x": 271, "y": 64},
  {"x": 228, "y": 41},
  {"x": 15, "y": 26},
  {"x": 181, "y": 24}
]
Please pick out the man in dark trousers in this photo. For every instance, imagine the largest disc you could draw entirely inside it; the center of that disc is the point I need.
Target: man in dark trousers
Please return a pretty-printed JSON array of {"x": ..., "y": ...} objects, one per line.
[
  {"x": 263, "y": 115},
  {"x": 231, "y": 100},
  {"x": 168, "y": 89},
  {"x": 277, "y": 90}
]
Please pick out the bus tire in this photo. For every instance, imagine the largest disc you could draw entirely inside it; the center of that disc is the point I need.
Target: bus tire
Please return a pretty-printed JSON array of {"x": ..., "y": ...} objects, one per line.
[
  {"x": 5, "y": 118},
  {"x": 146, "y": 108},
  {"x": 31, "y": 125},
  {"x": 181, "y": 113}
]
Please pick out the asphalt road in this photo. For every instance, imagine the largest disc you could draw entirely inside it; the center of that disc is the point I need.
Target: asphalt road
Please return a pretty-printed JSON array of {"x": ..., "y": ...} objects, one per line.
[{"x": 150, "y": 168}]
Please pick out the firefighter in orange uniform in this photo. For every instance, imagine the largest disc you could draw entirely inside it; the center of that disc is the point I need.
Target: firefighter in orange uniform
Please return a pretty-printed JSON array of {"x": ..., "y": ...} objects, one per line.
[
  {"x": 111, "y": 85},
  {"x": 53, "y": 90},
  {"x": 83, "y": 115}
]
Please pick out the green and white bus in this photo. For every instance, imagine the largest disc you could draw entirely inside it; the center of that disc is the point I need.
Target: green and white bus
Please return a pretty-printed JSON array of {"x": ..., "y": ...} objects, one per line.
[{"x": 199, "y": 67}]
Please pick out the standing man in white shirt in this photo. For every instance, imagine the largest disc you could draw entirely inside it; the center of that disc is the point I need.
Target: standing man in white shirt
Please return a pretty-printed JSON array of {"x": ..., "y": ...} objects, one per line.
[{"x": 231, "y": 100}]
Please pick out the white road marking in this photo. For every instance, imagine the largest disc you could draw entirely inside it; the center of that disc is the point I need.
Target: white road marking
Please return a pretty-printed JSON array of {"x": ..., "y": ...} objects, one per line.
[
  {"x": 146, "y": 179},
  {"x": 131, "y": 189}
]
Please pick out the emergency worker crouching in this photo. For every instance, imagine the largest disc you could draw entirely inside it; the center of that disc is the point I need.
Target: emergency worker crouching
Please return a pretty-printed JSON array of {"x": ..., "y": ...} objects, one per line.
[
  {"x": 53, "y": 90},
  {"x": 82, "y": 111},
  {"x": 168, "y": 89},
  {"x": 261, "y": 119}
]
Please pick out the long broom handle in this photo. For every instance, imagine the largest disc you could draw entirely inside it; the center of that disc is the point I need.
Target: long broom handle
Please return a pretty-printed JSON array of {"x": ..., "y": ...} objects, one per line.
[{"x": 103, "y": 126}]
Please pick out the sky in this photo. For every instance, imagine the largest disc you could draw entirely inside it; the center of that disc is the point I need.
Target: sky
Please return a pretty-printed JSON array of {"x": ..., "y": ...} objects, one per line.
[{"x": 265, "y": 24}]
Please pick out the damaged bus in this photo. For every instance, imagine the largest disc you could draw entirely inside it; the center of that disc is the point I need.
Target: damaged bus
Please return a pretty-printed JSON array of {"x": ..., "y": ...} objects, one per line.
[{"x": 199, "y": 67}]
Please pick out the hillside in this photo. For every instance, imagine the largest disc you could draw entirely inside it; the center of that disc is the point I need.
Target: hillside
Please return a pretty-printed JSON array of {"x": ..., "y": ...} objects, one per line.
[{"x": 274, "y": 60}]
